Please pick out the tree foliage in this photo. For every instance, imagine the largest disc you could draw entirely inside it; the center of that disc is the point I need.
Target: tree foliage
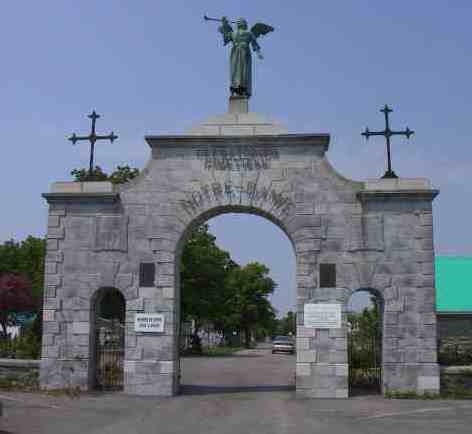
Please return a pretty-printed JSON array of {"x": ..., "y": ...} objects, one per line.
[
  {"x": 203, "y": 272},
  {"x": 216, "y": 290},
  {"x": 368, "y": 323},
  {"x": 248, "y": 289},
  {"x": 25, "y": 258},
  {"x": 365, "y": 343},
  {"x": 15, "y": 296},
  {"x": 120, "y": 175},
  {"x": 287, "y": 325}
]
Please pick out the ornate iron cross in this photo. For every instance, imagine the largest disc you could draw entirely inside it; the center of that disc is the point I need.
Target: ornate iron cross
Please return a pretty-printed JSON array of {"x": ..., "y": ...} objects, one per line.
[
  {"x": 92, "y": 138},
  {"x": 387, "y": 133}
]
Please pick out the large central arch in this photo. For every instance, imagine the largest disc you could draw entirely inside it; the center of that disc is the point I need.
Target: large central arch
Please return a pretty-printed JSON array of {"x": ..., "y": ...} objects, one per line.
[
  {"x": 206, "y": 217},
  {"x": 374, "y": 234}
]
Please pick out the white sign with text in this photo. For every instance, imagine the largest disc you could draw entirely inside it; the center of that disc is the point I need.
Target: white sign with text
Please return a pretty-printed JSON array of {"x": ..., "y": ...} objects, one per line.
[
  {"x": 149, "y": 322},
  {"x": 322, "y": 315}
]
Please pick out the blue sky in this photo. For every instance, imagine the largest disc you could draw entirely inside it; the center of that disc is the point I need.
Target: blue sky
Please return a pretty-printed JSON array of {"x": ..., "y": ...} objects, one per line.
[{"x": 154, "y": 67}]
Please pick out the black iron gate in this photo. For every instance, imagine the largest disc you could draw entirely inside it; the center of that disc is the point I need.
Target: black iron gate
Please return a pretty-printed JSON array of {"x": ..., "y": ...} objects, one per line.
[
  {"x": 109, "y": 354},
  {"x": 365, "y": 363}
]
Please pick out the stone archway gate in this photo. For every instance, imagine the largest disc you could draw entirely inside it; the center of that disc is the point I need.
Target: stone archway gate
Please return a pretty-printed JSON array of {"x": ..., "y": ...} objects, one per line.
[{"x": 376, "y": 234}]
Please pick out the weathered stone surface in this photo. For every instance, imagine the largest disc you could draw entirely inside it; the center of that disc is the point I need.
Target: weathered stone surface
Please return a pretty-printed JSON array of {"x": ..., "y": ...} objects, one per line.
[
  {"x": 80, "y": 327},
  {"x": 50, "y": 327},
  {"x": 53, "y": 221},
  {"x": 111, "y": 232},
  {"x": 55, "y": 232},
  {"x": 379, "y": 236},
  {"x": 123, "y": 281},
  {"x": 48, "y": 314},
  {"x": 54, "y": 256},
  {"x": 303, "y": 369},
  {"x": 306, "y": 356},
  {"x": 52, "y": 244}
]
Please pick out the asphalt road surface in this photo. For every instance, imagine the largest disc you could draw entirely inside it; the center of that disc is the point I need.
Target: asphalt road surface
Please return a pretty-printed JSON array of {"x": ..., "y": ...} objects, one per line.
[{"x": 251, "y": 392}]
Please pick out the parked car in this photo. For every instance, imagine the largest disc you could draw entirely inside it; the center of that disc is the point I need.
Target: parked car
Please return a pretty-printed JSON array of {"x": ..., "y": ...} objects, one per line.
[{"x": 283, "y": 344}]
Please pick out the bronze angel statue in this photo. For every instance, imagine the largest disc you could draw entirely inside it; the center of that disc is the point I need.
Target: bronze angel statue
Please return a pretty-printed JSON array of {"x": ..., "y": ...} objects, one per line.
[{"x": 241, "y": 58}]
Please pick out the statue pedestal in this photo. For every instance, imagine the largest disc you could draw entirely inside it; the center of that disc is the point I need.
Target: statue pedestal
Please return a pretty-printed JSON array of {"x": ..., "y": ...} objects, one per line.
[
  {"x": 238, "y": 104},
  {"x": 238, "y": 121}
]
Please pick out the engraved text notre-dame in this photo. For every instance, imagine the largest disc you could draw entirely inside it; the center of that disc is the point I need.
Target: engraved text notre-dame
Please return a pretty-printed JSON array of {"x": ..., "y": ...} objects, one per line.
[{"x": 249, "y": 194}]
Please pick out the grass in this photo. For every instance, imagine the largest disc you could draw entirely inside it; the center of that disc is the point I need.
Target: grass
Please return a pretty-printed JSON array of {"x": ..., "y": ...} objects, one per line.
[
  {"x": 214, "y": 352},
  {"x": 410, "y": 394},
  {"x": 25, "y": 383},
  {"x": 220, "y": 351},
  {"x": 456, "y": 393},
  {"x": 71, "y": 392}
]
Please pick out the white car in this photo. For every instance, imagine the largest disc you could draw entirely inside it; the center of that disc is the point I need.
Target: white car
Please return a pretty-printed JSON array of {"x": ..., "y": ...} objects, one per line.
[{"x": 283, "y": 344}]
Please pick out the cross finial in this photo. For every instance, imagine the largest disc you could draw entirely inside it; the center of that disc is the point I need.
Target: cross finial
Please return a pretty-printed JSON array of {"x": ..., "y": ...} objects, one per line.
[
  {"x": 92, "y": 138},
  {"x": 387, "y": 133},
  {"x": 93, "y": 115}
]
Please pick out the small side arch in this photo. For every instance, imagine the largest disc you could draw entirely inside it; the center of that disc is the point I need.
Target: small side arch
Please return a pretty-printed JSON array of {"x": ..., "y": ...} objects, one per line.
[
  {"x": 107, "y": 339},
  {"x": 365, "y": 341}
]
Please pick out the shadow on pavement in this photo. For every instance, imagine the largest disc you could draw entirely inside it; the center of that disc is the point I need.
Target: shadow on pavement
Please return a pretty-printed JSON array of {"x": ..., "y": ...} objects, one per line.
[
  {"x": 219, "y": 356},
  {"x": 188, "y": 389},
  {"x": 365, "y": 391}
]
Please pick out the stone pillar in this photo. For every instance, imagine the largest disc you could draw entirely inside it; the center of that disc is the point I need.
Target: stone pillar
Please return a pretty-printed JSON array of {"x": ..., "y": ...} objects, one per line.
[
  {"x": 238, "y": 105},
  {"x": 71, "y": 278},
  {"x": 409, "y": 332},
  {"x": 322, "y": 369}
]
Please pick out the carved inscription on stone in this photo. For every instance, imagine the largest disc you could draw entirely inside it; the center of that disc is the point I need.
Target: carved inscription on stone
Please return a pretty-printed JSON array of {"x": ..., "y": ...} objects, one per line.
[
  {"x": 237, "y": 158},
  {"x": 243, "y": 193},
  {"x": 111, "y": 232}
]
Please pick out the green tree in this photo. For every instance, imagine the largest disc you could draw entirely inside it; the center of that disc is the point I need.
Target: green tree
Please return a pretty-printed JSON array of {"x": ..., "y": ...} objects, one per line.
[
  {"x": 120, "y": 175},
  {"x": 25, "y": 258},
  {"x": 365, "y": 339},
  {"x": 287, "y": 325},
  {"x": 248, "y": 289},
  {"x": 15, "y": 296},
  {"x": 203, "y": 272},
  {"x": 368, "y": 323},
  {"x": 123, "y": 174}
]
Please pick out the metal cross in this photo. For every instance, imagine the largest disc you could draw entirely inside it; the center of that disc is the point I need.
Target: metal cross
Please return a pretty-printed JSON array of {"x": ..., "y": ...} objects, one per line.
[
  {"x": 387, "y": 133},
  {"x": 92, "y": 138}
]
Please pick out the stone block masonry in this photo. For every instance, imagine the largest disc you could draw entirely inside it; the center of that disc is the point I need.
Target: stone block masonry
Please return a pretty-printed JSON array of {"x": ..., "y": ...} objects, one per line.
[{"x": 378, "y": 234}]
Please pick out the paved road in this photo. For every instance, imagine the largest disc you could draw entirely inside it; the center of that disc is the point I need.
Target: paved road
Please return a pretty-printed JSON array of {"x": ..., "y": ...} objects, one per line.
[
  {"x": 247, "y": 370},
  {"x": 249, "y": 393}
]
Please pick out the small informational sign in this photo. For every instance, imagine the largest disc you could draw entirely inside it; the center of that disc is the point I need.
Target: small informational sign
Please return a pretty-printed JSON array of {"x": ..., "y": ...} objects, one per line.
[
  {"x": 149, "y": 323},
  {"x": 322, "y": 315}
]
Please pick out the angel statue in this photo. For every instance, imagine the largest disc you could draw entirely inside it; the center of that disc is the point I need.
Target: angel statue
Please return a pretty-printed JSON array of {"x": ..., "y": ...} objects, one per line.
[{"x": 241, "y": 57}]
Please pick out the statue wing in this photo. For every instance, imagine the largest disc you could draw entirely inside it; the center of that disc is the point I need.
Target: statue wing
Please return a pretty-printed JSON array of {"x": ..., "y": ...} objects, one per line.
[{"x": 259, "y": 29}]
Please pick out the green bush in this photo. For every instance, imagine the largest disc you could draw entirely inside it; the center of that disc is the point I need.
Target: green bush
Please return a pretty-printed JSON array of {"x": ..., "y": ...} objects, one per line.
[
  {"x": 26, "y": 346},
  {"x": 410, "y": 394},
  {"x": 24, "y": 382},
  {"x": 453, "y": 355}
]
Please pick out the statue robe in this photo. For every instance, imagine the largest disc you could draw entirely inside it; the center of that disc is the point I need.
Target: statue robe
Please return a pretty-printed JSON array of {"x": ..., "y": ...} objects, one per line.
[{"x": 241, "y": 59}]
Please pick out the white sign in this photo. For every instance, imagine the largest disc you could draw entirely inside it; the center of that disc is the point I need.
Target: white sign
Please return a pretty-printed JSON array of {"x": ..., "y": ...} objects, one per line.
[
  {"x": 149, "y": 322},
  {"x": 322, "y": 315}
]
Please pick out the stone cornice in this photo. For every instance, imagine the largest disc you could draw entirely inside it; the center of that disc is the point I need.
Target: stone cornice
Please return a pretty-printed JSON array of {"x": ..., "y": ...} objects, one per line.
[
  {"x": 449, "y": 313},
  {"x": 321, "y": 140},
  {"x": 81, "y": 197},
  {"x": 373, "y": 195}
]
